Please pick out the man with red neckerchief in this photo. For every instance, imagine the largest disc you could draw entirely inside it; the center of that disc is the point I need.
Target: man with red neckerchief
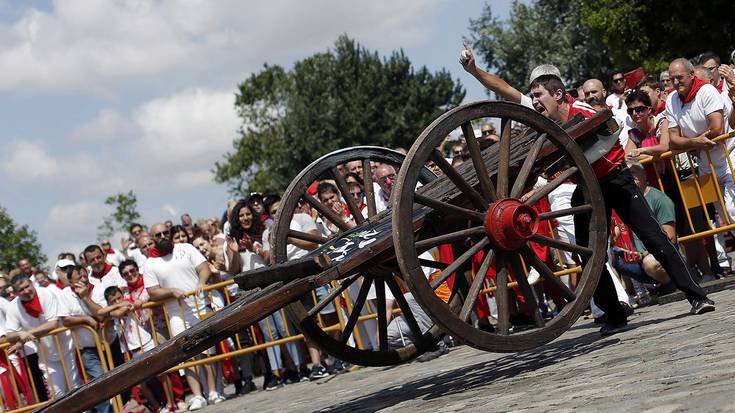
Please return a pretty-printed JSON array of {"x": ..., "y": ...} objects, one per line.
[
  {"x": 548, "y": 96},
  {"x": 30, "y": 316}
]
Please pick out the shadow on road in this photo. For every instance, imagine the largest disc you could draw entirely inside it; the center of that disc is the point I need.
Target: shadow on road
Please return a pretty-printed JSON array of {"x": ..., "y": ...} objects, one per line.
[{"x": 480, "y": 374}]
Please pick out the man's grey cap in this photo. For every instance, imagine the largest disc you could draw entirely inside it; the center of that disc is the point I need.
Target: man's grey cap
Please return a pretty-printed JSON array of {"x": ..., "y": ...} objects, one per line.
[{"x": 542, "y": 70}]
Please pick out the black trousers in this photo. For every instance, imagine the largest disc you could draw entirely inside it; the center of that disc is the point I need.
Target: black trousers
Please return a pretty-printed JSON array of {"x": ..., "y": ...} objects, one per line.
[
  {"x": 620, "y": 193},
  {"x": 31, "y": 360}
]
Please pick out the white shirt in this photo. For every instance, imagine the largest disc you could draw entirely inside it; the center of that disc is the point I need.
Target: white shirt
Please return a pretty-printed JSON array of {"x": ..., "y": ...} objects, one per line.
[
  {"x": 618, "y": 106},
  {"x": 382, "y": 199},
  {"x": 136, "y": 255},
  {"x": 111, "y": 279},
  {"x": 73, "y": 305},
  {"x": 303, "y": 223},
  {"x": 691, "y": 119},
  {"x": 3, "y": 308},
  {"x": 115, "y": 257},
  {"x": 135, "y": 336},
  {"x": 177, "y": 270},
  {"x": 17, "y": 319}
]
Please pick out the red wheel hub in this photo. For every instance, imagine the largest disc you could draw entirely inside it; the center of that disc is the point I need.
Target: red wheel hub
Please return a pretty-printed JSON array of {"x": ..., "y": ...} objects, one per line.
[{"x": 510, "y": 223}]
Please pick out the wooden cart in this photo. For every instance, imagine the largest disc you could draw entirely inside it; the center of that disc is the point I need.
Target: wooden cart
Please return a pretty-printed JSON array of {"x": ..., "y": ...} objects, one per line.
[{"x": 477, "y": 209}]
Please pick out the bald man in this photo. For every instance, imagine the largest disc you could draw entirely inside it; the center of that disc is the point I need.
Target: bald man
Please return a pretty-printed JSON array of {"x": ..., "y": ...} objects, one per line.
[{"x": 594, "y": 93}]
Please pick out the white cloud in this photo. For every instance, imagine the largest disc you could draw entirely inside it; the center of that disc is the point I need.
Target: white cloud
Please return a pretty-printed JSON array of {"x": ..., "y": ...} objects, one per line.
[
  {"x": 74, "y": 218},
  {"x": 95, "y": 45},
  {"x": 170, "y": 209},
  {"x": 191, "y": 128},
  {"x": 28, "y": 161},
  {"x": 191, "y": 179},
  {"x": 108, "y": 125}
]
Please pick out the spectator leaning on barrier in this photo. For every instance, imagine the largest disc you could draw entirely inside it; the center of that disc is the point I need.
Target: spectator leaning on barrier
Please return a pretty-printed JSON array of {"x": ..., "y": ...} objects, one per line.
[
  {"x": 30, "y": 317},
  {"x": 170, "y": 272},
  {"x": 618, "y": 190}
]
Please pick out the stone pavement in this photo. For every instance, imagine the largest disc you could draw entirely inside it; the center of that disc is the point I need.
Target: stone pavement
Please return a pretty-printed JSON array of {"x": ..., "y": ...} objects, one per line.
[{"x": 668, "y": 362}]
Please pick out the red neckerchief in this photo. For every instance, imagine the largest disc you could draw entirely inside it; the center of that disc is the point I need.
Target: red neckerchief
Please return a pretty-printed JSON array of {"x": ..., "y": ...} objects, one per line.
[
  {"x": 154, "y": 252},
  {"x": 697, "y": 84},
  {"x": 110, "y": 251},
  {"x": 59, "y": 284},
  {"x": 33, "y": 307},
  {"x": 721, "y": 85},
  {"x": 137, "y": 285},
  {"x": 661, "y": 107},
  {"x": 107, "y": 269},
  {"x": 264, "y": 217}
]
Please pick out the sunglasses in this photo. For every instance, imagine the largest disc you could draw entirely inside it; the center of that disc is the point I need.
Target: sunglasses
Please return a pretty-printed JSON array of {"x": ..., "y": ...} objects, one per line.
[
  {"x": 162, "y": 234},
  {"x": 620, "y": 79},
  {"x": 637, "y": 109},
  {"x": 488, "y": 132},
  {"x": 128, "y": 272}
]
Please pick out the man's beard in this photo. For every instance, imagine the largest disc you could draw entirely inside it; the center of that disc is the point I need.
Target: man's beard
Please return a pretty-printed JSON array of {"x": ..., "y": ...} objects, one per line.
[
  {"x": 594, "y": 101},
  {"x": 164, "y": 245}
]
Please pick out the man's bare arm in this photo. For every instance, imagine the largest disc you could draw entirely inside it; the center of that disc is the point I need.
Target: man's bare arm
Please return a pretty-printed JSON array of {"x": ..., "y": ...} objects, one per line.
[
  {"x": 715, "y": 124},
  {"x": 490, "y": 81}
]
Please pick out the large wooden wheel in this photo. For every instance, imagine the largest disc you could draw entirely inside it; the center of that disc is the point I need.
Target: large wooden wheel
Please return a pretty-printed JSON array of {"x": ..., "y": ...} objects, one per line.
[
  {"x": 481, "y": 207},
  {"x": 379, "y": 272}
]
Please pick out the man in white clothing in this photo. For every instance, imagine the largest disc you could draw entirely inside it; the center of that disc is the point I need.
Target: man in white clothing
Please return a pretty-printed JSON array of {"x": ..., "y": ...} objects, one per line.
[
  {"x": 32, "y": 315},
  {"x": 170, "y": 272}
]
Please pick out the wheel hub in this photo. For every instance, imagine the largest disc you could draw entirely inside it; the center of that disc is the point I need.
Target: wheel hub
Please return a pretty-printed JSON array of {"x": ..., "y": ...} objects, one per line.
[{"x": 510, "y": 223}]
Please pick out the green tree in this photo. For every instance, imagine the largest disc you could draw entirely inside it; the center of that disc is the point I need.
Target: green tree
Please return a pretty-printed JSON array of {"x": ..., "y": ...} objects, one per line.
[
  {"x": 544, "y": 31},
  {"x": 343, "y": 97},
  {"x": 16, "y": 243},
  {"x": 125, "y": 213},
  {"x": 651, "y": 33}
]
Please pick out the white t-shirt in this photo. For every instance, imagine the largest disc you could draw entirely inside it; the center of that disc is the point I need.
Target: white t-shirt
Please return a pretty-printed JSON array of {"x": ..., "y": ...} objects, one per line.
[
  {"x": 73, "y": 305},
  {"x": 177, "y": 270},
  {"x": 691, "y": 119},
  {"x": 3, "y": 308},
  {"x": 111, "y": 279},
  {"x": 382, "y": 199},
  {"x": 17, "y": 319},
  {"x": 618, "y": 106},
  {"x": 560, "y": 198},
  {"x": 134, "y": 328},
  {"x": 303, "y": 223},
  {"x": 136, "y": 255},
  {"x": 115, "y": 257}
]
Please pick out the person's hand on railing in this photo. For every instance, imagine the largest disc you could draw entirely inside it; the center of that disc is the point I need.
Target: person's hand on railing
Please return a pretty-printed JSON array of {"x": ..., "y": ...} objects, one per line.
[
  {"x": 90, "y": 321},
  {"x": 25, "y": 336},
  {"x": 178, "y": 293},
  {"x": 15, "y": 348},
  {"x": 702, "y": 141}
]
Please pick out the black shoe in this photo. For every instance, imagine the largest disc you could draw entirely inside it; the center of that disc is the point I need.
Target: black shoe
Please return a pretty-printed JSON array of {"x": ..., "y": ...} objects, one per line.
[
  {"x": 273, "y": 384},
  {"x": 613, "y": 328},
  {"x": 702, "y": 306},
  {"x": 627, "y": 308},
  {"x": 601, "y": 319},
  {"x": 247, "y": 387}
]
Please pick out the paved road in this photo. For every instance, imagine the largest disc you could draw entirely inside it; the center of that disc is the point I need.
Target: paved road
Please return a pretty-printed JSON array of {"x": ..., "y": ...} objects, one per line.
[{"x": 669, "y": 362}]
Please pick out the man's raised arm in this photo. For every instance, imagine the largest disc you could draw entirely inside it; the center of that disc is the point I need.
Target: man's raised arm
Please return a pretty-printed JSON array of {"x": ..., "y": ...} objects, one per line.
[{"x": 494, "y": 83}]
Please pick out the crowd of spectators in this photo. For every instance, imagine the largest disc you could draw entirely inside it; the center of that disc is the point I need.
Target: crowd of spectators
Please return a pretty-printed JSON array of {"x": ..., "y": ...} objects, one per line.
[{"x": 102, "y": 291}]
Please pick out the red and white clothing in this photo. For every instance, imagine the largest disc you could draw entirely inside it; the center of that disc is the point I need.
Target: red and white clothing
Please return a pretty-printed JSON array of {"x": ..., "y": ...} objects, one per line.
[
  {"x": 178, "y": 270},
  {"x": 114, "y": 257},
  {"x": 135, "y": 328},
  {"x": 73, "y": 305},
  {"x": 608, "y": 162},
  {"x": 109, "y": 277},
  {"x": 21, "y": 316},
  {"x": 616, "y": 104}
]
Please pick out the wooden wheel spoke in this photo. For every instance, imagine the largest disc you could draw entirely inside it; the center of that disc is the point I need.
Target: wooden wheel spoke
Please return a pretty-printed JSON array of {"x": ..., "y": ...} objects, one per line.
[
  {"x": 382, "y": 315},
  {"x": 332, "y": 295},
  {"x": 305, "y": 236},
  {"x": 504, "y": 158},
  {"x": 546, "y": 189},
  {"x": 476, "y": 286},
  {"x": 477, "y": 200},
  {"x": 586, "y": 208},
  {"x": 367, "y": 179},
  {"x": 432, "y": 264},
  {"x": 501, "y": 295},
  {"x": 461, "y": 260},
  {"x": 528, "y": 165},
  {"x": 345, "y": 191},
  {"x": 554, "y": 243},
  {"x": 429, "y": 243},
  {"x": 356, "y": 309},
  {"x": 326, "y": 212},
  {"x": 449, "y": 208},
  {"x": 406, "y": 311},
  {"x": 473, "y": 146},
  {"x": 534, "y": 261},
  {"x": 527, "y": 291}
]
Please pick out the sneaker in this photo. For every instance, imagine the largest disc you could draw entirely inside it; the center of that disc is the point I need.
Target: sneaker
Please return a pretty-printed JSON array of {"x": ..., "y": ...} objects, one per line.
[
  {"x": 196, "y": 403},
  {"x": 613, "y": 328},
  {"x": 215, "y": 398},
  {"x": 627, "y": 308},
  {"x": 164, "y": 409},
  {"x": 272, "y": 384},
  {"x": 318, "y": 372},
  {"x": 339, "y": 366},
  {"x": 291, "y": 378},
  {"x": 702, "y": 306},
  {"x": 438, "y": 350},
  {"x": 247, "y": 387}
]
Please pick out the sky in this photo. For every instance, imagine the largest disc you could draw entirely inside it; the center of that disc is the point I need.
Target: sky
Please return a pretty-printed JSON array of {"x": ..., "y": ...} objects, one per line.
[{"x": 101, "y": 97}]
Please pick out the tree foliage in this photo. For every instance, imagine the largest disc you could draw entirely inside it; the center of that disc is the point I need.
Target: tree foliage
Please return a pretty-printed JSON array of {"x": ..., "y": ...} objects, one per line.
[
  {"x": 544, "y": 31},
  {"x": 651, "y": 33},
  {"x": 343, "y": 97},
  {"x": 591, "y": 38},
  {"x": 125, "y": 213},
  {"x": 17, "y": 243}
]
